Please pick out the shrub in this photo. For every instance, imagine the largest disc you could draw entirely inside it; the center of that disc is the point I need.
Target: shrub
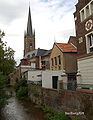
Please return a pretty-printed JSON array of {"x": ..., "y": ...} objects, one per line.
[
  {"x": 56, "y": 116},
  {"x": 21, "y": 88},
  {"x": 51, "y": 114},
  {"x": 3, "y": 98},
  {"x": 3, "y": 95},
  {"x": 22, "y": 92},
  {"x": 3, "y": 81},
  {"x": 21, "y": 82}
]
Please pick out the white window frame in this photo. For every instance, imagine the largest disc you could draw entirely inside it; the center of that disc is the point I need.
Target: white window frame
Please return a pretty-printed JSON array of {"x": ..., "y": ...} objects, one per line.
[
  {"x": 88, "y": 42},
  {"x": 85, "y": 12}
]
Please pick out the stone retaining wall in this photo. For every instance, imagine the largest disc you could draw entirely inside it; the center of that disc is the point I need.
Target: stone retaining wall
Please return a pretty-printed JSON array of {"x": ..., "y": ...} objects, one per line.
[{"x": 63, "y": 100}]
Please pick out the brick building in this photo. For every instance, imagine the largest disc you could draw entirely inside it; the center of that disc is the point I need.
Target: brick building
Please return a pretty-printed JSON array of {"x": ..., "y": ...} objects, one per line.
[{"x": 84, "y": 33}]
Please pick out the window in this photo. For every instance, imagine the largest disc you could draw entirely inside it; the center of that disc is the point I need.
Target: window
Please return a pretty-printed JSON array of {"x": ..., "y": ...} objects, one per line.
[
  {"x": 55, "y": 60},
  {"x": 59, "y": 59},
  {"x": 90, "y": 43},
  {"x": 82, "y": 15},
  {"x": 28, "y": 56},
  {"x": 59, "y": 67},
  {"x": 87, "y": 11},
  {"x": 52, "y": 62},
  {"x": 91, "y": 7},
  {"x": 33, "y": 55}
]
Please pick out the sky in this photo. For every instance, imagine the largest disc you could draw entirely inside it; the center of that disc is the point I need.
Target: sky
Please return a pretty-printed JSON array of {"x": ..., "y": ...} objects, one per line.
[{"x": 52, "y": 20}]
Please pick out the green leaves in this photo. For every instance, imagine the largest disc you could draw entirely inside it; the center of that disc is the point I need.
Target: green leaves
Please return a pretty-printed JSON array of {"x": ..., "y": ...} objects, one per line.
[
  {"x": 7, "y": 64},
  {"x": 7, "y": 61},
  {"x": 21, "y": 89},
  {"x": 3, "y": 95},
  {"x": 3, "y": 81}
]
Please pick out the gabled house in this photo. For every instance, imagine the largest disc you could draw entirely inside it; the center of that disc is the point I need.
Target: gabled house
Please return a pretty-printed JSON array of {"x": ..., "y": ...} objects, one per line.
[
  {"x": 64, "y": 57},
  {"x": 84, "y": 33}
]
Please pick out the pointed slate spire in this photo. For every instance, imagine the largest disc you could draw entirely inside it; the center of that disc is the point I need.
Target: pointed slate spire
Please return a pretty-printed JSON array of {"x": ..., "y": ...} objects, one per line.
[{"x": 29, "y": 24}]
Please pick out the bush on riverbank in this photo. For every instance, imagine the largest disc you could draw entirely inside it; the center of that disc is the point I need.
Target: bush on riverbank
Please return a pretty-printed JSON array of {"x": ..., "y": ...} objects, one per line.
[
  {"x": 51, "y": 114},
  {"x": 21, "y": 88},
  {"x": 3, "y": 95}
]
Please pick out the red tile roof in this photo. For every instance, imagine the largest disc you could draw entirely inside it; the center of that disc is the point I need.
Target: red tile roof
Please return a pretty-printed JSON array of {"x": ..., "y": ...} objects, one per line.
[{"x": 66, "y": 47}]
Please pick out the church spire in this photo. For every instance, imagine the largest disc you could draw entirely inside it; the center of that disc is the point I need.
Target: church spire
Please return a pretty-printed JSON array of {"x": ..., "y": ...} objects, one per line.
[{"x": 29, "y": 24}]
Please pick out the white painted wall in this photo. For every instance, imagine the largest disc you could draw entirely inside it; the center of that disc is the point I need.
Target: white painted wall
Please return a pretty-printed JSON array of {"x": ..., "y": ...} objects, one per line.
[
  {"x": 85, "y": 66},
  {"x": 35, "y": 75},
  {"x": 47, "y": 77}
]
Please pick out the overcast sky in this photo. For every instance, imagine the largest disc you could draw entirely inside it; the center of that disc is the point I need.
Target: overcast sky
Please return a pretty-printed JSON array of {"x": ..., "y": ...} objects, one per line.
[{"x": 52, "y": 20}]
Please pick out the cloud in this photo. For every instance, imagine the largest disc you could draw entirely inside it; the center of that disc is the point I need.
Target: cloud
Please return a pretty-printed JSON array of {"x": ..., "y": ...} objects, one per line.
[
  {"x": 10, "y": 10},
  {"x": 52, "y": 19}
]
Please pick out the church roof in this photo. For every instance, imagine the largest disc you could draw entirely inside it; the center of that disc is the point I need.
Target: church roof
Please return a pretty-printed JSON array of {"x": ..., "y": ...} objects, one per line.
[{"x": 35, "y": 53}]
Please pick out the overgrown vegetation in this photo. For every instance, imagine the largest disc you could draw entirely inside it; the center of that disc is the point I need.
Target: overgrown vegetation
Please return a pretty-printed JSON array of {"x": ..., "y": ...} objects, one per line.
[
  {"x": 7, "y": 64},
  {"x": 51, "y": 114},
  {"x": 21, "y": 89},
  {"x": 3, "y": 95},
  {"x": 75, "y": 118}
]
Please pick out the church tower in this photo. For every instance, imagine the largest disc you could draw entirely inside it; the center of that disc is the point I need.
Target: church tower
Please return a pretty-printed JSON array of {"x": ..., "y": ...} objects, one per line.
[{"x": 29, "y": 36}]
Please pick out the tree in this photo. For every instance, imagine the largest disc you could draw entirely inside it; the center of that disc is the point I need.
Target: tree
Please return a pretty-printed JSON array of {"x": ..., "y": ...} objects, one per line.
[
  {"x": 7, "y": 61},
  {"x": 7, "y": 64},
  {"x": 3, "y": 95}
]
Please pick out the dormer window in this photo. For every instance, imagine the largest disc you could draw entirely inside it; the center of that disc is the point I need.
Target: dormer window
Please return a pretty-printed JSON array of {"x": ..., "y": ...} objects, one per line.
[
  {"x": 33, "y": 55},
  {"x": 28, "y": 56}
]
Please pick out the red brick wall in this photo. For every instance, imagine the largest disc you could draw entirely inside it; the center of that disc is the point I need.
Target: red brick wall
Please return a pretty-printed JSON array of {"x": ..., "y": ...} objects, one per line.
[{"x": 80, "y": 27}]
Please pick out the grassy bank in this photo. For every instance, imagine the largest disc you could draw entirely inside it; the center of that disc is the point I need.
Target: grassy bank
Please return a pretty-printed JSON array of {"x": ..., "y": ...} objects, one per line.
[{"x": 51, "y": 114}]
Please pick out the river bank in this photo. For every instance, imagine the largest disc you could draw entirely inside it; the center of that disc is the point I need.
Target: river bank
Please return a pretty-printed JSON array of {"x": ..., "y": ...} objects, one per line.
[{"x": 20, "y": 109}]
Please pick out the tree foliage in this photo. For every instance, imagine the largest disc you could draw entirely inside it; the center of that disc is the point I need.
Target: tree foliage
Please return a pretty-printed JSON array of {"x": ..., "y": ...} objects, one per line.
[
  {"x": 21, "y": 88},
  {"x": 3, "y": 95},
  {"x": 7, "y": 64},
  {"x": 7, "y": 61}
]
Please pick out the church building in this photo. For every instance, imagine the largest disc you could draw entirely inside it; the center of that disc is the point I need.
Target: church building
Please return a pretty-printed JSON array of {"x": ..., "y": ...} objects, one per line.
[{"x": 29, "y": 36}]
